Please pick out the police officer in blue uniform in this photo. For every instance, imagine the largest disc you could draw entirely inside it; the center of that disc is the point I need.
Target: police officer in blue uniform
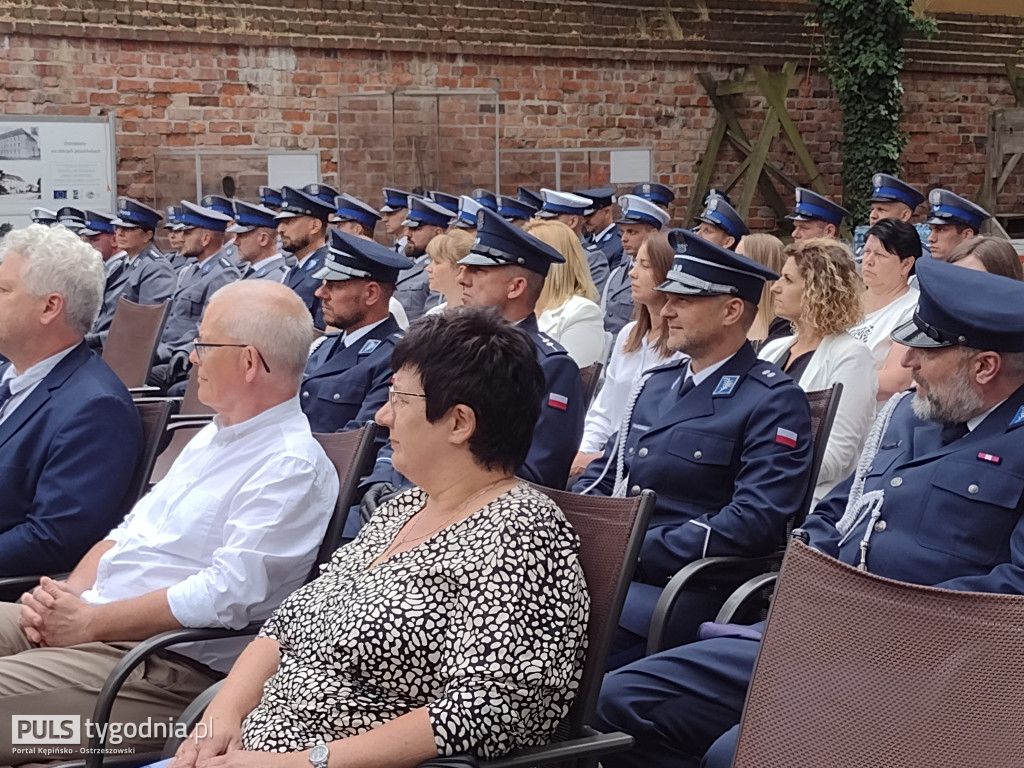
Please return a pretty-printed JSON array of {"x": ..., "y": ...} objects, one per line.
[
  {"x": 721, "y": 224},
  {"x": 449, "y": 202},
  {"x": 638, "y": 217},
  {"x": 599, "y": 224},
  {"x": 515, "y": 210},
  {"x": 204, "y": 240},
  {"x": 815, "y": 215},
  {"x": 151, "y": 278},
  {"x": 172, "y": 223},
  {"x": 393, "y": 213},
  {"x": 424, "y": 221},
  {"x": 658, "y": 194},
  {"x": 952, "y": 220},
  {"x": 723, "y": 438},
  {"x": 466, "y": 216},
  {"x": 71, "y": 218},
  {"x": 255, "y": 230},
  {"x": 348, "y": 374},
  {"x": 302, "y": 225},
  {"x": 353, "y": 216},
  {"x": 323, "y": 192},
  {"x": 486, "y": 198},
  {"x": 530, "y": 197},
  {"x": 99, "y": 233},
  {"x": 890, "y": 198},
  {"x": 271, "y": 198},
  {"x": 938, "y": 500},
  {"x": 570, "y": 209},
  {"x": 225, "y": 205},
  {"x": 43, "y": 216}
]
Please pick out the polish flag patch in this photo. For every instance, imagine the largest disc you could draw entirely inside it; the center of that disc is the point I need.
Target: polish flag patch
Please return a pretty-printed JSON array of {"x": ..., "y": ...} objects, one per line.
[
  {"x": 561, "y": 402},
  {"x": 785, "y": 437},
  {"x": 990, "y": 457}
]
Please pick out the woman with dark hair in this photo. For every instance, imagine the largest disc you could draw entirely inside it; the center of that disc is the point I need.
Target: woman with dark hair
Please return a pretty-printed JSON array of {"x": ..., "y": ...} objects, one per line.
[
  {"x": 819, "y": 292},
  {"x": 891, "y": 249},
  {"x": 456, "y": 619},
  {"x": 988, "y": 254},
  {"x": 640, "y": 345}
]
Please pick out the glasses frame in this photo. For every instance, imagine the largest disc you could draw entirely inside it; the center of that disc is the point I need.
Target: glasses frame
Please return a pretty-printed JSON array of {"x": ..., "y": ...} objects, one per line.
[
  {"x": 392, "y": 392},
  {"x": 199, "y": 345}
]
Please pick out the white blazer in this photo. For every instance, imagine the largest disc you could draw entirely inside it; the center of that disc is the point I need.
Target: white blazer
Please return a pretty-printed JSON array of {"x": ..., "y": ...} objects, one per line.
[
  {"x": 578, "y": 325},
  {"x": 839, "y": 359}
]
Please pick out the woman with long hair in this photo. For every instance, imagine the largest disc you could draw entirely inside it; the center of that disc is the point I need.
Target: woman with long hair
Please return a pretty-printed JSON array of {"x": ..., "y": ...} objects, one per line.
[
  {"x": 988, "y": 254},
  {"x": 444, "y": 252},
  {"x": 766, "y": 250}
]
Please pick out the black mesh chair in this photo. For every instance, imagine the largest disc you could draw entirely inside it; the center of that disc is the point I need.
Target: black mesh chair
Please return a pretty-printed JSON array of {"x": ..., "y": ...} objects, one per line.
[
  {"x": 132, "y": 341},
  {"x": 716, "y": 578}
]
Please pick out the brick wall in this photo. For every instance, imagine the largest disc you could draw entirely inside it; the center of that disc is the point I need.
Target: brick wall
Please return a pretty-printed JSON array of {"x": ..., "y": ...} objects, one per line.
[{"x": 581, "y": 77}]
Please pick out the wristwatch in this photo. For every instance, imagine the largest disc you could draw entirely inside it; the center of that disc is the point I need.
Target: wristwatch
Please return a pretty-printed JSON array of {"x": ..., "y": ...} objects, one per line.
[{"x": 318, "y": 756}]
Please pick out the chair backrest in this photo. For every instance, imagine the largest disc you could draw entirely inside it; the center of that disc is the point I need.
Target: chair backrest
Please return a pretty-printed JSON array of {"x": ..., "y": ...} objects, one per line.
[
  {"x": 611, "y": 531},
  {"x": 180, "y": 433},
  {"x": 591, "y": 376},
  {"x": 154, "y": 415},
  {"x": 352, "y": 454},
  {"x": 824, "y": 403},
  {"x": 190, "y": 404},
  {"x": 133, "y": 338},
  {"x": 883, "y": 673}
]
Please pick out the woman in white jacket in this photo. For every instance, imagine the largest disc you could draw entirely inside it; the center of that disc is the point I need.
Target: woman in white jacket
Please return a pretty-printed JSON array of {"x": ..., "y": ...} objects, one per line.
[{"x": 819, "y": 292}]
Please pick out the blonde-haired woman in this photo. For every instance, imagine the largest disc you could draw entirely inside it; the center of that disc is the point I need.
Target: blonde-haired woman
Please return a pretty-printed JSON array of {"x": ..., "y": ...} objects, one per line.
[
  {"x": 444, "y": 252},
  {"x": 567, "y": 309},
  {"x": 819, "y": 291},
  {"x": 767, "y": 251}
]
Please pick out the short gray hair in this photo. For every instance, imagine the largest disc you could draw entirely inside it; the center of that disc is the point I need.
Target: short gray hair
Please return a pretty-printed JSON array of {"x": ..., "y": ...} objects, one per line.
[{"x": 271, "y": 317}]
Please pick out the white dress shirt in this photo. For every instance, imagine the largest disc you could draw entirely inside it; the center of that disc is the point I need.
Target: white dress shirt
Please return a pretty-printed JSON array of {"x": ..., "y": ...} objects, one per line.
[
  {"x": 23, "y": 384},
  {"x": 231, "y": 530}
]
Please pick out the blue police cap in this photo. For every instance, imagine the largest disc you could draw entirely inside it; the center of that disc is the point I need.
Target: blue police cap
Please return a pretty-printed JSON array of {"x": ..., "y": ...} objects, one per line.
[
  {"x": 220, "y": 204},
  {"x": 701, "y": 268},
  {"x": 557, "y": 203},
  {"x": 499, "y": 243},
  {"x": 249, "y": 217},
  {"x": 948, "y": 208},
  {"x": 394, "y": 200},
  {"x": 198, "y": 217},
  {"x": 446, "y": 201},
  {"x": 656, "y": 193},
  {"x": 530, "y": 197},
  {"x": 424, "y": 212},
  {"x": 295, "y": 202},
  {"x": 72, "y": 218},
  {"x": 349, "y": 208},
  {"x": 270, "y": 197},
  {"x": 131, "y": 214},
  {"x": 600, "y": 197},
  {"x": 964, "y": 307},
  {"x": 468, "y": 210},
  {"x": 43, "y": 216},
  {"x": 810, "y": 206},
  {"x": 350, "y": 257},
  {"x": 486, "y": 198},
  {"x": 321, "y": 192},
  {"x": 97, "y": 223},
  {"x": 720, "y": 214},
  {"x": 173, "y": 214},
  {"x": 514, "y": 209},
  {"x": 716, "y": 193},
  {"x": 640, "y": 210},
  {"x": 889, "y": 189}
]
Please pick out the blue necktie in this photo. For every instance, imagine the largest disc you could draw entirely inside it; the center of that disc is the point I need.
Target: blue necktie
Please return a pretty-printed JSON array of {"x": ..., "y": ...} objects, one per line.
[
  {"x": 5, "y": 395},
  {"x": 686, "y": 386}
]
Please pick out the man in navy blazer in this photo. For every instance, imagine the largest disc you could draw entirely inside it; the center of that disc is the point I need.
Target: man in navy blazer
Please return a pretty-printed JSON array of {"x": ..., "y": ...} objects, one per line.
[{"x": 70, "y": 437}]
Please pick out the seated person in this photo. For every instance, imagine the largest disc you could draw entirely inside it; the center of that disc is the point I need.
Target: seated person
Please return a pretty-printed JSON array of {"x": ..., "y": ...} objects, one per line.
[
  {"x": 70, "y": 437},
  {"x": 989, "y": 254},
  {"x": 936, "y": 500},
  {"x": 231, "y": 530},
  {"x": 456, "y": 620},
  {"x": 819, "y": 292}
]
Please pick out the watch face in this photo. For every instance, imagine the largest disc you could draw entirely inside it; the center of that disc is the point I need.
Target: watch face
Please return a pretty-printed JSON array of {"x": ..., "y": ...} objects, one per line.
[{"x": 319, "y": 754}]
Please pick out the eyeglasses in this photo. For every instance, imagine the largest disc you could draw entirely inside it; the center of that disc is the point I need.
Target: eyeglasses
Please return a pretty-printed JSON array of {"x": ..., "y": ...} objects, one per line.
[
  {"x": 202, "y": 346},
  {"x": 392, "y": 392}
]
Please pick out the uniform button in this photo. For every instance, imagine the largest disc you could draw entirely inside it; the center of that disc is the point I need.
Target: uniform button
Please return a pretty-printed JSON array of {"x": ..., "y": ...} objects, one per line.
[
  {"x": 336, "y": 396},
  {"x": 896, "y": 482},
  {"x": 880, "y": 526},
  {"x": 305, "y": 395},
  {"x": 642, "y": 452},
  {"x": 634, "y": 491},
  {"x": 698, "y": 455},
  {"x": 972, "y": 488},
  {"x": 631, "y": 451},
  {"x": 871, "y": 468}
]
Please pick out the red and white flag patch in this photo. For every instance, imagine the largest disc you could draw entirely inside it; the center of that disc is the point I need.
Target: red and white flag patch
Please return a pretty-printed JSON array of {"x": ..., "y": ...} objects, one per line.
[
  {"x": 990, "y": 457},
  {"x": 785, "y": 437},
  {"x": 561, "y": 402}
]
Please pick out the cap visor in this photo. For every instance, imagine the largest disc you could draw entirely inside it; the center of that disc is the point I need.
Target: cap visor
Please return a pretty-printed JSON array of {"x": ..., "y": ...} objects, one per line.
[
  {"x": 479, "y": 260},
  {"x": 125, "y": 224},
  {"x": 411, "y": 223},
  {"x": 674, "y": 286},
  {"x": 940, "y": 220},
  {"x": 88, "y": 232},
  {"x": 326, "y": 273},
  {"x": 909, "y": 335},
  {"x": 287, "y": 215},
  {"x": 799, "y": 217},
  {"x": 542, "y": 214},
  {"x": 239, "y": 229},
  {"x": 390, "y": 209}
]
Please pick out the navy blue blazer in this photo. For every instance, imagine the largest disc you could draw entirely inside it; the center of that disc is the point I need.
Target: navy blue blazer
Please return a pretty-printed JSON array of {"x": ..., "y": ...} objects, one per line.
[
  {"x": 344, "y": 387},
  {"x": 951, "y": 514},
  {"x": 68, "y": 454},
  {"x": 301, "y": 280}
]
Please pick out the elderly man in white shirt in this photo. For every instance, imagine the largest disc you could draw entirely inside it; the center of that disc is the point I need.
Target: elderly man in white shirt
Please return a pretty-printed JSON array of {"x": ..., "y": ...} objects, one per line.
[{"x": 219, "y": 542}]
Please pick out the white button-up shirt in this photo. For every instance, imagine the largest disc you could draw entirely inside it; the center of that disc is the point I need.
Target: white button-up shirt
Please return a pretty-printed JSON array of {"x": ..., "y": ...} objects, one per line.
[{"x": 231, "y": 530}]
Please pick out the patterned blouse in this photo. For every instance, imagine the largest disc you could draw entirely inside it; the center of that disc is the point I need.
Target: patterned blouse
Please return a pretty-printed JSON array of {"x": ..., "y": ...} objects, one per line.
[{"x": 484, "y": 624}]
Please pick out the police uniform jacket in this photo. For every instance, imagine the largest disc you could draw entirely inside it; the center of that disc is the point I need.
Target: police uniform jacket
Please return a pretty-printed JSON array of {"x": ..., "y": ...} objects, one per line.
[
  {"x": 413, "y": 288},
  {"x": 345, "y": 386},
  {"x": 722, "y": 460},
  {"x": 275, "y": 268},
  {"x": 112, "y": 290},
  {"x": 598, "y": 262},
  {"x": 610, "y": 242},
  {"x": 150, "y": 278},
  {"x": 301, "y": 280},
  {"x": 617, "y": 299},
  {"x": 177, "y": 260},
  {"x": 950, "y": 514},
  {"x": 198, "y": 282}
]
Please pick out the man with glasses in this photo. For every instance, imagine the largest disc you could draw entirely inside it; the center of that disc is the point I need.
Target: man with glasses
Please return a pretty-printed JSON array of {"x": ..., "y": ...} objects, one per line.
[{"x": 231, "y": 530}]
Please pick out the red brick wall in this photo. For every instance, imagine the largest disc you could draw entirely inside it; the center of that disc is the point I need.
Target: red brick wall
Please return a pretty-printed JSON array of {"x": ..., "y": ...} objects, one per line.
[{"x": 184, "y": 75}]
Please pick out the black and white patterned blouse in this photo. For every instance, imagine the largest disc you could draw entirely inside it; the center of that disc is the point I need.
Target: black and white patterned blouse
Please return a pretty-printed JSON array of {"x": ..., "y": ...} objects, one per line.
[{"x": 484, "y": 624}]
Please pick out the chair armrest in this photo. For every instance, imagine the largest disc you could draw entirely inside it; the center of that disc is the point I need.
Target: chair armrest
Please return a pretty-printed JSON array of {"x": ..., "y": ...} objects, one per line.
[
  {"x": 738, "y": 600},
  {"x": 710, "y": 575},
  {"x": 137, "y": 655},
  {"x": 144, "y": 391},
  {"x": 193, "y": 714},
  {"x": 591, "y": 745},
  {"x": 13, "y": 587}
]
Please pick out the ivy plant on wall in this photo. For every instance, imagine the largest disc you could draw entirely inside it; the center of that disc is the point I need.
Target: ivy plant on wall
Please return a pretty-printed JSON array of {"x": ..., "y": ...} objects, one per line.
[{"x": 862, "y": 53}]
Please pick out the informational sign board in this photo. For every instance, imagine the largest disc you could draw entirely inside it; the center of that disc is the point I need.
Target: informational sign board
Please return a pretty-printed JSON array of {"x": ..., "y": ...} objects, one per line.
[{"x": 53, "y": 162}]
